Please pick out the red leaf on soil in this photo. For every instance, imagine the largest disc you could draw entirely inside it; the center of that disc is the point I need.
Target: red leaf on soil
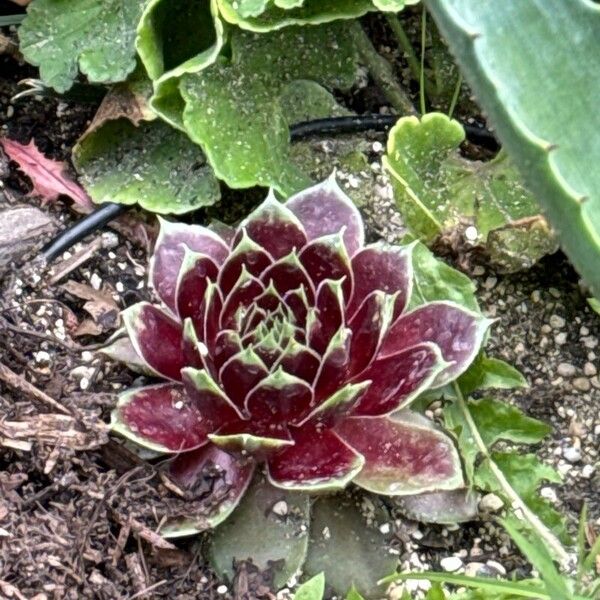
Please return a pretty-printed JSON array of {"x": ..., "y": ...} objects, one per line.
[{"x": 49, "y": 177}]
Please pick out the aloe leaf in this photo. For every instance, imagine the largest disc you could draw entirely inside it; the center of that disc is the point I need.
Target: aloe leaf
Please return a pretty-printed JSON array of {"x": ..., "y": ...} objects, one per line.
[
  {"x": 152, "y": 165},
  {"x": 346, "y": 544},
  {"x": 93, "y": 36},
  {"x": 504, "y": 57},
  {"x": 269, "y": 527},
  {"x": 441, "y": 194}
]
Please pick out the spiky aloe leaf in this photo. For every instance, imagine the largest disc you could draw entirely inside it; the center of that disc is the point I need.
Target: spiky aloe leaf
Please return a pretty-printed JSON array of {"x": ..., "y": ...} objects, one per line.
[{"x": 516, "y": 56}]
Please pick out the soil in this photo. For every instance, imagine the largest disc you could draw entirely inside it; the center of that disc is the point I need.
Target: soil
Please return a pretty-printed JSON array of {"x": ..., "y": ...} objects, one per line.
[{"x": 79, "y": 511}]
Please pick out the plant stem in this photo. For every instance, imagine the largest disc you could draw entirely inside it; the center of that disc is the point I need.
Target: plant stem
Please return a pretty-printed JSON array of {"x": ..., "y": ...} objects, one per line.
[
  {"x": 516, "y": 501},
  {"x": 404, "y": 43},
  {"x": 6, "y": 20},
  {"x": 422, "y": 69},
  {"x": 381, "y": 71},
  {"x": 455, "y": 95}
]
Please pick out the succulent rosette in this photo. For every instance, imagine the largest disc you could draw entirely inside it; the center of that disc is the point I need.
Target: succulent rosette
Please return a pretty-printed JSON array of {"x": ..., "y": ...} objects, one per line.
[{"x": 288, "y": 342}]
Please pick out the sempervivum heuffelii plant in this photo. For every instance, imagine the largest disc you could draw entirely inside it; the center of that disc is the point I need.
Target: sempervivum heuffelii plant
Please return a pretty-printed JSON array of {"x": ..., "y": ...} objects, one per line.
[{"x": 286, "y": 342}]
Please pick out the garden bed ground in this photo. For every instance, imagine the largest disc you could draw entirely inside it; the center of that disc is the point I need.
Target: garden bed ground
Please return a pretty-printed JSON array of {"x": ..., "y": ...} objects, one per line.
[{"x": 78, "y": 512}]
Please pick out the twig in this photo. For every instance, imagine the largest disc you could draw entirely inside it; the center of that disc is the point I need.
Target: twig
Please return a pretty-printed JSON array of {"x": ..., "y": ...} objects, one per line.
[
  {"x": 381, "y": 71},
  {"x": 41, "y": 336},
  {"x": 148, "y": 589},
  {"x": 19, "y": 383},
  {"x": 536, "y": 524}
]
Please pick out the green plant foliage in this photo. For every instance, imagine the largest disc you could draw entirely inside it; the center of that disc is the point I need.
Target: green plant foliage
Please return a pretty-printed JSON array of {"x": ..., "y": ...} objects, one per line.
[
  {"x": 304, "y": 100},
  {"x": 506, "y": 59},
  {"x": 346, "y": 544},
  {"x": 311, "y": 590},
  {"x": 525, "y": 473},
  {"x": 176, "y": 37},
  {"x": 439, "y": 193},
  {"x": 490, "y": 373},
  {"x": 595, "y": 304},
  {"x": 433, "y": 279},
  {"x": 255, "y": 531},
  {"x": 95, "y": 37},
  {"x": 152, "y": 164},
  {"x": 353, "y": 594},
  {"x": 267, "y": 15},
  {"x": 233, "y": 110}
]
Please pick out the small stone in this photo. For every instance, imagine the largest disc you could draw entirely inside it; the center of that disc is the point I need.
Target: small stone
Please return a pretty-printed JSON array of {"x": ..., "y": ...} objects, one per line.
[
  {"x": 582, "y": 384},
  {"x": 572, "y": 454},
  {"x": 589, "y": 369},
  {"x": 451, "y": 563},
  {"x": 81, "y": 372},
  {"x": 280, "y": 508},
  {"x": 566, "y": 370},
  {"x": 490, "y": 283},
  {"x": 86, "y": 356},
  {"x": 560, "y": 338},
  {"x": 96, "y": 281},
  {"x": 42, "y": 357},
  {"x": 549, "y": 494},
  {"x": 84, "y": 383},
  {"x": 377, "y": 147},
  {"x": 587, "y": 471},
  {"x": 222, "y": 589},
  {"x": 478, "y": 270},
  {"x": 556, "y": 322},
  {"x": 471, "y": 233},
  {"x": 496, "y": 566},
  {"x": 491, "y": 503},
  {"x": 385, "y": 528}
]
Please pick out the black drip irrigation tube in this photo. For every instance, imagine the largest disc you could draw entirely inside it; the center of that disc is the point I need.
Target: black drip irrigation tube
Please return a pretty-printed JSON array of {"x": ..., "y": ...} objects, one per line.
[{"x": 333, "y": 125}]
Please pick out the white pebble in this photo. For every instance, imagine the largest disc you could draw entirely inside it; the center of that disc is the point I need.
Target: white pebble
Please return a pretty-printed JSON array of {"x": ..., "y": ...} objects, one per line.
[
  {"x": 451, "y": 563},
  {"x": 471, "y": 233},
  {"x": 280, "y": 508},
  {"x": 491, "y": 503},
  {"x": 222, "y": 589},
  {"x": 96, "y": 281},
  {"x": 84, "y": 383},
  {"x": 42, "y": 357},
  {"x": 587, "y": 471},
  {"x": 572, "y": 454}
]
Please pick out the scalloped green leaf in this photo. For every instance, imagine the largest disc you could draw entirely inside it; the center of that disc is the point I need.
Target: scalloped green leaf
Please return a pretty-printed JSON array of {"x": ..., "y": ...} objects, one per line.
[
  {"x": 232, "y": 109},
  {"x": 269, "y": 526},
  {"x": 152, "y": 165},
  {"x": 178, "y": 36},
  {"x": 95, "y": 37},
  {"x": 440, "y": 194},
  {"x": 279, "y": 14},
  {"x": 490, "y": 373},
  {"x": 513, "y": 58}
]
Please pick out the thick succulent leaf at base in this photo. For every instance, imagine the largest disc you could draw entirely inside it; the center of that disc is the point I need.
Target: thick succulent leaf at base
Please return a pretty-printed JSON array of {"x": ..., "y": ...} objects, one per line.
[
  {"x": 145, "y": 324},
  {"x": 346, "y": 544},
  {"x": 318, "y": 461},
  {"x": 384, "y": 268},
  {"x": 399, "y": 378},
  {"x": 195, "y": 272},
  {"x": 445, "y": 507},
  {"x": 252, "y": 437},
  {"x": 324, "y": 209},
  {"x": 214, "y": 477},
  {"x": 169, "y": 252},
  {"x": 160, "y": 417},
  {"x": 404, "y": 454},
  {"x": 121, "y": 349},
  {"x": 269, "y": 527},
  {"x": 457, "y": 332}
]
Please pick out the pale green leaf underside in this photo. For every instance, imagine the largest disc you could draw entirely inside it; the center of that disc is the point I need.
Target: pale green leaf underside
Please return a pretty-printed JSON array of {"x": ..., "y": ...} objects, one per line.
[
  {"x": 533, "y": 66},
  {"x": 93, "y": 36},
  {"x": 438, "y": 191},
  {"x": 152, "y": 165}
]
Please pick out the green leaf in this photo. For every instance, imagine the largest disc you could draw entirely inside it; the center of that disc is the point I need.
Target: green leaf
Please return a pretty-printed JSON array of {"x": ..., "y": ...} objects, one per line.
[
  {"x": 485, "y": 373},
  {"x": 595, "y": 304},
  {"x": 346, "y": 544},
  {"x": 93, "y": 36},
  {"x": 514, "y": 57},
  {"x": 255, "y": 531},
  {"x": 304, "y": 100},
  {"x": 152, "y": 165},
  {"x": 520, "y": 589},
  {"x": 313, "y": 589},
  {"x": 540, "y": 559},
  {"x": 495, "y": 420},
  {"x": 435, "y": 593},
  {"x": 433, "y": 279},
  {"x": 525, "y": 473},
  {"x": 309, "y": 11},
  {"x": 447, "y": 507},
  {"x": 178, "y": 36},
  {"x": 439, "y": 193},
  {"x": 353, "y": 594}
]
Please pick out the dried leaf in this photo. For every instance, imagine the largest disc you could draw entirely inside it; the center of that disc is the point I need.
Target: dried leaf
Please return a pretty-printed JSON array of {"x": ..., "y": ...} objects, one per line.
[
  {"x": 49, "y": 177},
  {"x": 100, "y": 306}
]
